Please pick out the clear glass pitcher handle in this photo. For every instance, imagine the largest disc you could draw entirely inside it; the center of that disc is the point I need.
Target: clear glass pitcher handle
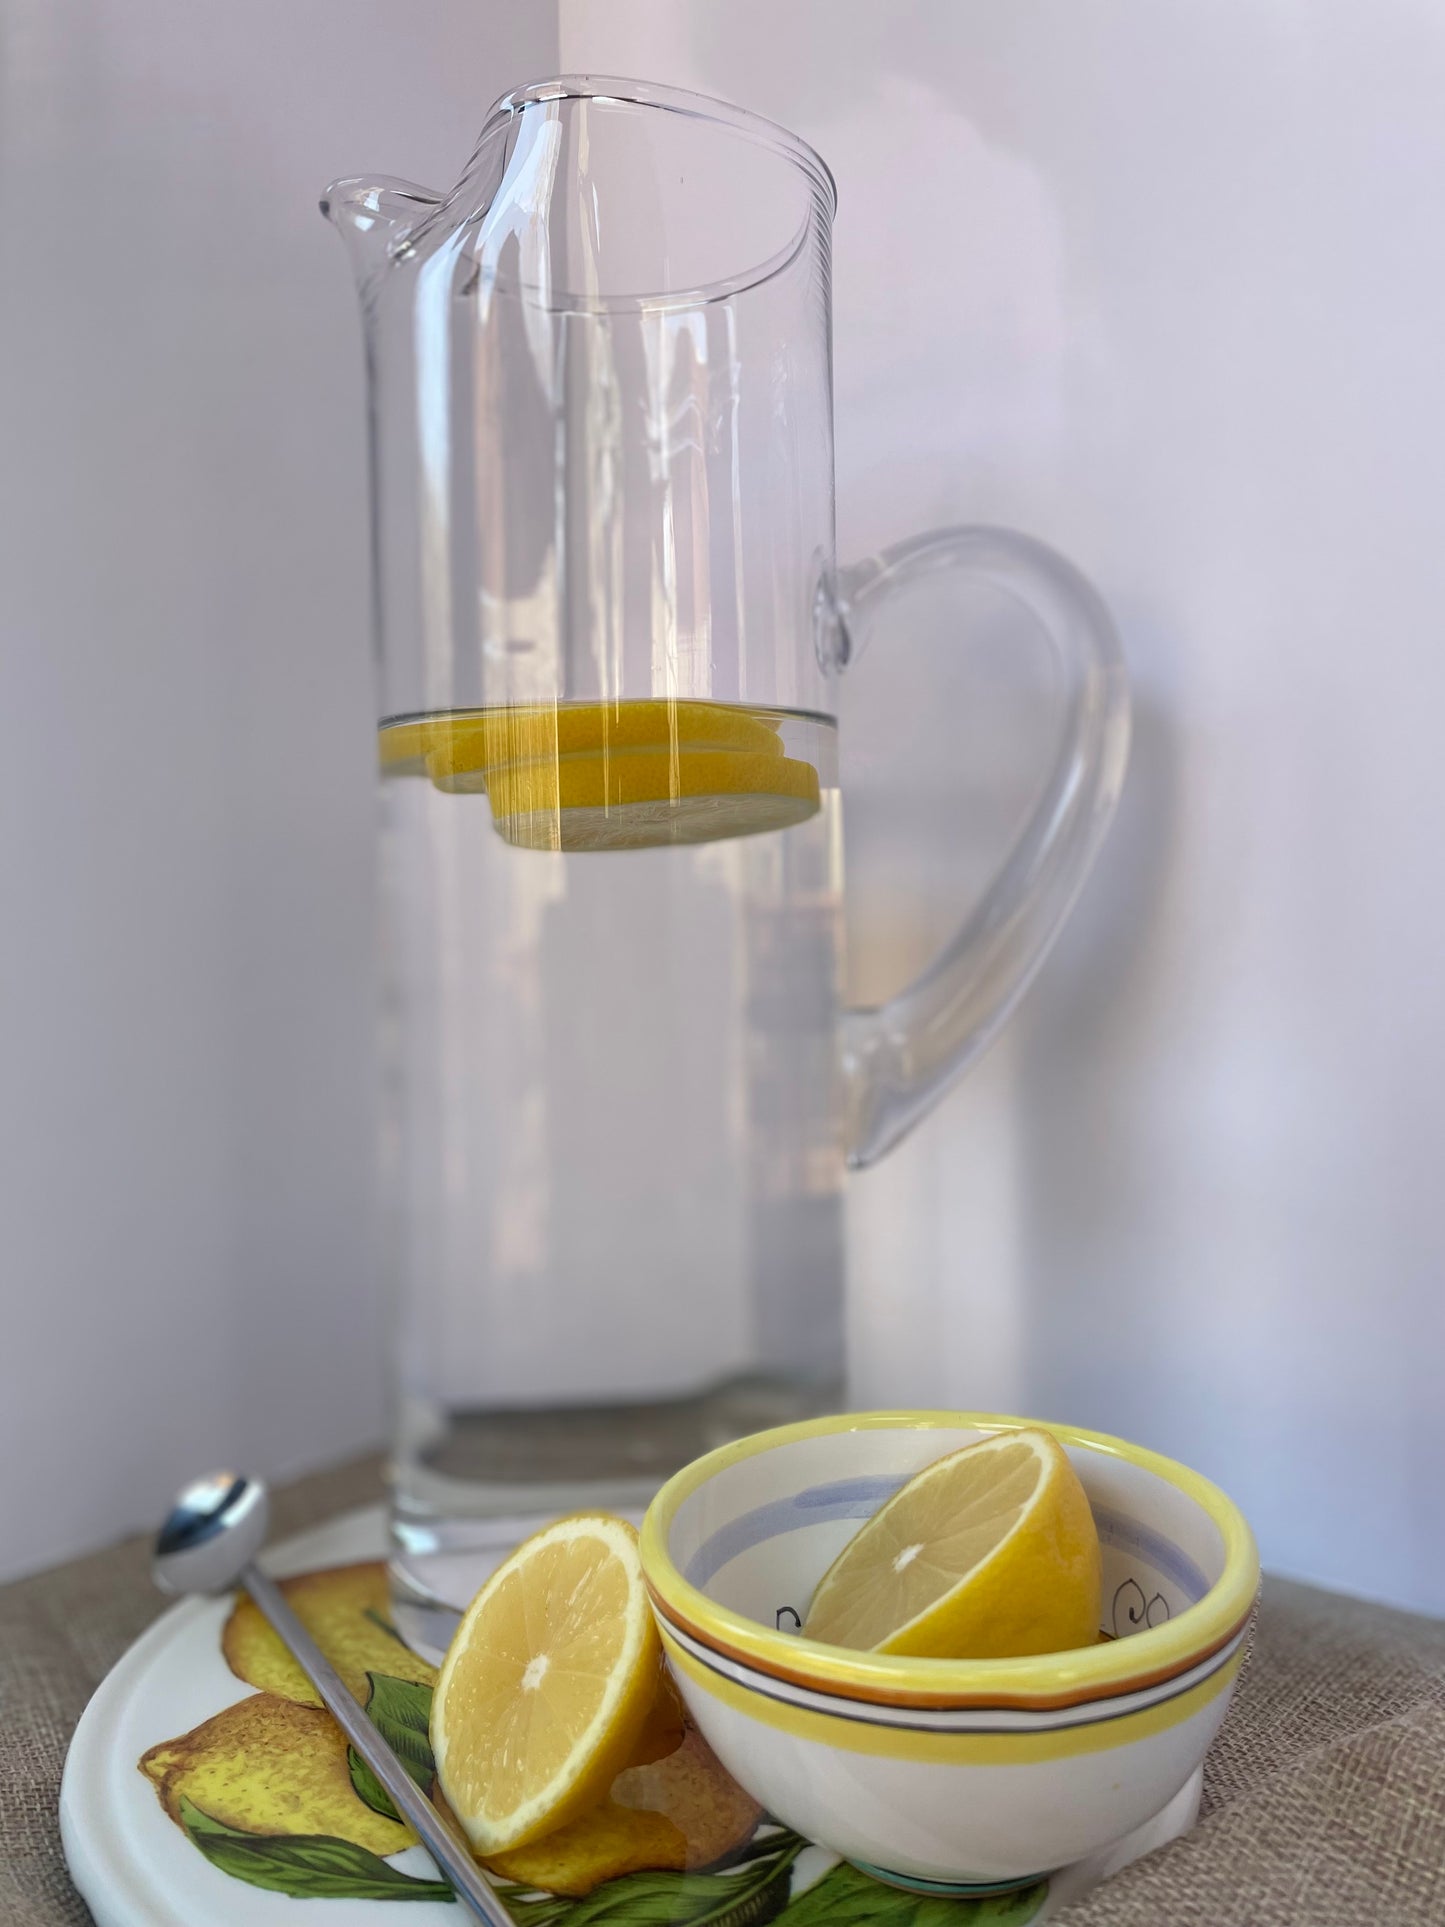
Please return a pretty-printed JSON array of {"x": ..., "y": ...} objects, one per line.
[{"x": 898, "y": 1059}]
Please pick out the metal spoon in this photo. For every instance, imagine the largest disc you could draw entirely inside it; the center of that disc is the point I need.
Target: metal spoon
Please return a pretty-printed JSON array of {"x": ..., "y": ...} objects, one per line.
[{"x": 209, "y": 1543}]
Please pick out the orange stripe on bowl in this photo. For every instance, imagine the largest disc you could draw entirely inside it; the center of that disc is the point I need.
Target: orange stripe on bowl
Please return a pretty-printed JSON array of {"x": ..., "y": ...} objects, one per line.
[{"x": 1113, "y": 1688}]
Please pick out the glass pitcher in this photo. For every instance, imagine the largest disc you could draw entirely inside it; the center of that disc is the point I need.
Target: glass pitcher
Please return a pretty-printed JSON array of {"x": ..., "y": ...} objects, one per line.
[{"x": 620, "y": 1087}]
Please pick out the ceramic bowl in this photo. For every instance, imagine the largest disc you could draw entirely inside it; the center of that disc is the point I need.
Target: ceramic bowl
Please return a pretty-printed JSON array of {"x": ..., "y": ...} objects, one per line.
[{"x": 967, "y": 1775}]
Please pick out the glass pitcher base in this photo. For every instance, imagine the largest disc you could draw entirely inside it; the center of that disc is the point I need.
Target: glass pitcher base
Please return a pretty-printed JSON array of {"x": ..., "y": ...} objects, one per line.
[{"x": 461, "y": 1503}]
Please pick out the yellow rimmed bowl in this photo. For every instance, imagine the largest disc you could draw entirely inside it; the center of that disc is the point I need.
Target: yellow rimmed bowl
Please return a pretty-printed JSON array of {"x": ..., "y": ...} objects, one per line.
[{"x": 947, "y": 1775}]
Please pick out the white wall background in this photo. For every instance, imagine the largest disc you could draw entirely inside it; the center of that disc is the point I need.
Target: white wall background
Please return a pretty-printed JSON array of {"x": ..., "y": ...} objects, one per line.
[
  {"x": 1164, "y": 284},
  {"x": 185, "y": 731}
]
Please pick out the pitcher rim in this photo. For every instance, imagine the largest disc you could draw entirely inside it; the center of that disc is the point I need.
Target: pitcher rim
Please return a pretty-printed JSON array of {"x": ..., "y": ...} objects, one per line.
[{"x": 676, "y": 100}]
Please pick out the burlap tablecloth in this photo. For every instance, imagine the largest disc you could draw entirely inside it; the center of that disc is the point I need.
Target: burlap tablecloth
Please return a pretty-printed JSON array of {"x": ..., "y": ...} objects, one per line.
[{"x": 1324, "y": 1799}]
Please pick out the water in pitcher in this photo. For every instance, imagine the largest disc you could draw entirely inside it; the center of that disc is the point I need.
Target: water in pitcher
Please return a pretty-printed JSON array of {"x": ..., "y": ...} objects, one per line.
[{"x": 612, "y": 983}]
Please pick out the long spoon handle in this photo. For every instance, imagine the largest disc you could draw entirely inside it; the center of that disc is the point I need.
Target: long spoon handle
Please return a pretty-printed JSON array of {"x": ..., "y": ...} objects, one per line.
[{"x": 451, "y": 1853}]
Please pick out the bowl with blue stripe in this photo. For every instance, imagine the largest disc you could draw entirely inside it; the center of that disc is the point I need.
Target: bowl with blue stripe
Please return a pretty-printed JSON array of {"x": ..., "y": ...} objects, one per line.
[{"x": 947, "y": 1774}]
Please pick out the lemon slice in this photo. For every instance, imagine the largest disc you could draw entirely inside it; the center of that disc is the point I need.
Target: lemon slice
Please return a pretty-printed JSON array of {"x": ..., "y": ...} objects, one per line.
[
  {"x": 547, "y": 1684},
  {"x": 636, "y": 798},
  {"x": 525, "y": 732},
  {"x": 612, "y": 776},
  {"x": 451, "y": 746},
  {"x": 401, "y": 748},
  {"x": 989, "y": 1553}
]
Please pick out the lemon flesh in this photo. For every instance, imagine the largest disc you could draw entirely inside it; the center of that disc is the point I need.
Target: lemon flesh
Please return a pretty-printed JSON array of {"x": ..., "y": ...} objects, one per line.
[
  {"x": 523, "y": 732},
  {"x": 989, "y": 1553},
  {"x": 613, "y": 776},
  {"x": 547, "y": 1684}
]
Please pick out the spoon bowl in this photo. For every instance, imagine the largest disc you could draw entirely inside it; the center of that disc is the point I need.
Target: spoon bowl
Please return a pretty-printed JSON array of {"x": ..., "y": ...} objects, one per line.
[{"x": 211, "y": 1534}]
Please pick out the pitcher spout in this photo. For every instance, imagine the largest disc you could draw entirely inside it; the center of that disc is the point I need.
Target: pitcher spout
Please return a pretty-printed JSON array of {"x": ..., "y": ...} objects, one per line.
[{"x": 373, "y": 217}]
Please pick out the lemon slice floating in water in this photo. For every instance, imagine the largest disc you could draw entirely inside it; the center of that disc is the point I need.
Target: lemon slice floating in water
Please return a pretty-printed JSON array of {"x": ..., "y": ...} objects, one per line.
[
  {"x": 989, "y": 1553},
  {"x": 613, "y": 776},
  {"x": 547, "y": 1684}
]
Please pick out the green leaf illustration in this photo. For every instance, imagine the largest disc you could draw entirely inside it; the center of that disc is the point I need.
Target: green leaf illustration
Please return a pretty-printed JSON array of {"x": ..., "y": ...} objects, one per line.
[
  {"x": 1012, "y": 1910},
  {"x": 368, "y": 1788},
  {"x": 307, "y": 1866},
  {"x": 847, "y": 1898},
  {"x": 747, "y": 1895},
  {"x": 400, "y": 1710}
]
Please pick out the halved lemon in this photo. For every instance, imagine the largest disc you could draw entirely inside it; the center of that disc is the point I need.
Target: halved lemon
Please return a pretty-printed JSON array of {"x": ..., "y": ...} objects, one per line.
[
  {"x": 989, "y": 1553},
  {"x": 547, "y": 1684}
]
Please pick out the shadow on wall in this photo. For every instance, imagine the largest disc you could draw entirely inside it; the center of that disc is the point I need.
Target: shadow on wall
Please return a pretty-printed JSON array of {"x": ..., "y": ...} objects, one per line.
[
  {"x": 962, "y": 1290},
  {"x": 1106, "y": 1331}
]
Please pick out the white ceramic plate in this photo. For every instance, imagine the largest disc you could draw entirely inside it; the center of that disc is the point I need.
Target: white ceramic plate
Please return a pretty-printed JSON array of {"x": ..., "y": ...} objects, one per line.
[{"x": 136, "y": 1868}]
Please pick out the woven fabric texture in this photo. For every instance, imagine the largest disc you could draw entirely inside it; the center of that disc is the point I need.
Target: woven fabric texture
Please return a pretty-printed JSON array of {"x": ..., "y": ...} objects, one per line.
[{"x": 1324, "y": 1798}]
